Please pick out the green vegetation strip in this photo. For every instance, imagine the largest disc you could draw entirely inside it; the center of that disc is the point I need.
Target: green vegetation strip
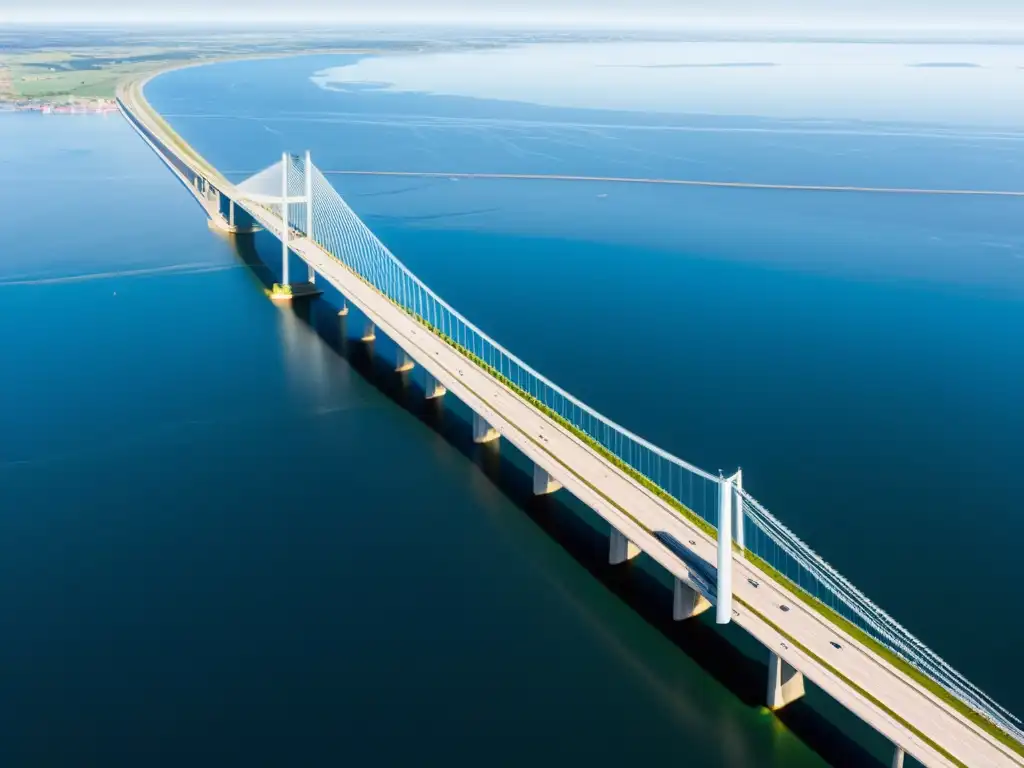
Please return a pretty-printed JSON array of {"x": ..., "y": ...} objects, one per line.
[
  {"x": 806, "y": 597},
  {"x": 133, "y": 91},
  {"x": 598, "y": 447}
]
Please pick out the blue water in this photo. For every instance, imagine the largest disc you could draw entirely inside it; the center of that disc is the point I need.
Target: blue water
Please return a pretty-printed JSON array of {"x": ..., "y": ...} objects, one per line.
[
  {"x": 231, "y": 538},
  {"x": 854, "y": 353}
]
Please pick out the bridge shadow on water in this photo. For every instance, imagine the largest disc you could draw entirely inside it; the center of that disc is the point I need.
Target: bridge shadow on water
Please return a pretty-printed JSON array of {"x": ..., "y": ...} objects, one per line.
[{"x": 730, "y": 656}]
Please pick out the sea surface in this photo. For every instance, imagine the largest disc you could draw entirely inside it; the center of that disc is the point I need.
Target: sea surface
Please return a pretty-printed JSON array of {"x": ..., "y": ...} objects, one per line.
[{"x": 232, "y": 534}]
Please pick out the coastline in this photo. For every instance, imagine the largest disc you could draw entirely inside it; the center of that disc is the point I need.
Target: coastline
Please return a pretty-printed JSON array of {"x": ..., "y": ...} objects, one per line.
[{"x": 97, "y": 93}]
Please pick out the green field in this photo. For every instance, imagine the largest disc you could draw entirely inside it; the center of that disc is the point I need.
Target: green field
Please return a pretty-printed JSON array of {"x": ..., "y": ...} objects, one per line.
[
  {"x": 68, "y": 75},
  {"x": 62, "y": 76},
  {"x": 80, "y": 84}
]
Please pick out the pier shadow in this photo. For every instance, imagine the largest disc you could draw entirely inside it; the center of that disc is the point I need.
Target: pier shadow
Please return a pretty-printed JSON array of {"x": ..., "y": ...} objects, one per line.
[
  {"x": 245, "y": 247},
  {"x": 578, "y": 531},
  {"x": 832, "y": 744}
]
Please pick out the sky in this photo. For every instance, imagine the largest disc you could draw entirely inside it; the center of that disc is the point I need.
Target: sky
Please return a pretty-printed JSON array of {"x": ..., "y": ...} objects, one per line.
[{"x": 865, "y": 14}]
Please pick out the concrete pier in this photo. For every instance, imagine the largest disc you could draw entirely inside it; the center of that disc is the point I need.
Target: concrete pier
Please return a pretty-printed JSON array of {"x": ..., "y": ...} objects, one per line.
[
  {"x": 286, "y": 292},
  {"x": 543, "y": 482},
  {"x": 785, "y": 683},
  {"x": 432, "y": 387},
  {"x": 687, "y": 602},
  {"x": 482, "y": 431},
  {"x": 369, "y": 332},
  {"x": 405, "y": 362},
  {"x": 738, "y": 518},
  {"x": 897, "y": 757},
  {"x": 220, "y": 224},
  {"x": 621, "y": 549}
]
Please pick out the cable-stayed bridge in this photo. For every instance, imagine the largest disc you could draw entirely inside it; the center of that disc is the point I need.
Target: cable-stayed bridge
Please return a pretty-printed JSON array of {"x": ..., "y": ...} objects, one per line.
[{"x": 722, "y": 547}]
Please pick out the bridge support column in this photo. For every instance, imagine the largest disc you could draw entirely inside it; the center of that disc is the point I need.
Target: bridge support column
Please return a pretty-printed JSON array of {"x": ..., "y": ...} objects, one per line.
[
  {"x": 620, "y": 549},
  {"x": 369, "y": 332},
  {"x": 482, "y": 431},
  {"x": 405, "y": 362},
  {"x": 785, "y": 683},
  {"x": 543, "y": 482},
  {"x": 897, "y": 757},
  {"x": 236, "y": 222},
  {"x": 687, "y": 602},
  {"x": 432, "y": 387},
  {"x": 723, "y": 607}
]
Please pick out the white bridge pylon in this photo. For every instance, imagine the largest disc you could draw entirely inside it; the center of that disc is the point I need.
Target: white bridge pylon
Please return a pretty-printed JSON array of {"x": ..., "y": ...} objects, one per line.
[{"x": 283, "y": 187}]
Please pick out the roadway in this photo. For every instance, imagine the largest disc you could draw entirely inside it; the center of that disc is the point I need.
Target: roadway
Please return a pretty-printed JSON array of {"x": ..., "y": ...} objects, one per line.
[{"x": 902, "y": 710}]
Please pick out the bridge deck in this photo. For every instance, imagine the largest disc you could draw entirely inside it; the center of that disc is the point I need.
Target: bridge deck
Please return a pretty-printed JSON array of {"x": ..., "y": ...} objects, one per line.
[{"x": 909, "y": 715}]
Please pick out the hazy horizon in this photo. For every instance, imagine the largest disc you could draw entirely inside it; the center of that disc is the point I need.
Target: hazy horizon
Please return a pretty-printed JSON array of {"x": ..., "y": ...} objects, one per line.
[{"x": 868, "y": 15}]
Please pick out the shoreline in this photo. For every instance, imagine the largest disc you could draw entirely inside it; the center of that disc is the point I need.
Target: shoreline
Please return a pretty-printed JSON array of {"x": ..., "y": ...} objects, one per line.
[{"x": 104, "y": 101}]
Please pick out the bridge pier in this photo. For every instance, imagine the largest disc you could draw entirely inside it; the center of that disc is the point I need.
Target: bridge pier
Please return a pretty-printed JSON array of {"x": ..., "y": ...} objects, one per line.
[
  {"x": 620, "y": 549},
  {"x": 482, "y": 431},
  {"x": 289, "y": 291},
  {"x": 236, "y": 222},
  {"x": 785, "y": 682},
  {"x": 405, "y": 363},
  {"x": 369, "y": 331},
  {"x": 543, "y": 482},
  {"x": 687, "y": 602},
  {"x": 897, "y": 757},
  {"x": 433, "y": 388},
  {"x": 221, "y": 224}
]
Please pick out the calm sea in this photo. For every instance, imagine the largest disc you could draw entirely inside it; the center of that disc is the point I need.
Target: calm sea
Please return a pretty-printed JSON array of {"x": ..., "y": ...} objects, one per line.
[{"x": 232, "y": 534}]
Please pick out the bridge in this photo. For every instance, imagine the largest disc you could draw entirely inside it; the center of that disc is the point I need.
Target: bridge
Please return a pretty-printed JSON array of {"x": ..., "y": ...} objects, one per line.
[{"x": 720, "y": 545}]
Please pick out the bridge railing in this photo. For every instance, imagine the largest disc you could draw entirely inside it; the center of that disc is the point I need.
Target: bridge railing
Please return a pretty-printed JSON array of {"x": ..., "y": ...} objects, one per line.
[
  {"x": 343, "y": 234},
  {"x": 184, "y": 168},
  {"x": 692, "y": 491},
  {"x": 769, "y": 541}
]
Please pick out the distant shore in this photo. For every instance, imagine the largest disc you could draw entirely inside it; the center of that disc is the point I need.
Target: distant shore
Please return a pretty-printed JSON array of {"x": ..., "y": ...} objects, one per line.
[{"x": 84, "y": 81}]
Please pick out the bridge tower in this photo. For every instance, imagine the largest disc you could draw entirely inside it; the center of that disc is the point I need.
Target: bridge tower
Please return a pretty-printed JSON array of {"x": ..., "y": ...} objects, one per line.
[
  {"x": 310, "y": 272},
  {"x": 737, "y": 510},
  {"x": 286, "y": 290},
  {"x": 723, "y": 600}
]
